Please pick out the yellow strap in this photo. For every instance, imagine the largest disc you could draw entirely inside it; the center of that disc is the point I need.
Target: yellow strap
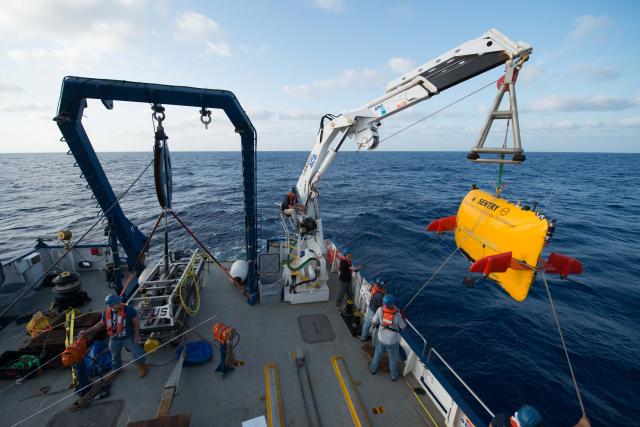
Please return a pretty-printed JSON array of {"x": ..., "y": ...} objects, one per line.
[{"x": 68, "y": 340}]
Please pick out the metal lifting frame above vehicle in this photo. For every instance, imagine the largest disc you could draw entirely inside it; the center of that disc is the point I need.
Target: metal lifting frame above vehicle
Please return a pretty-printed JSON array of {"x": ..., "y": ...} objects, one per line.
[{"x": 76, "y": 90}]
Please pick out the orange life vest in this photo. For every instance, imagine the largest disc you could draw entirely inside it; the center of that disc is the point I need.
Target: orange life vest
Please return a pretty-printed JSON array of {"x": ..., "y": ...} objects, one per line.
[
  {"x": 375, "y": 289},
  {"x": 119, "y": 320},
  {"x": 293, "y": 199},
  {"x": 222, "y": 332},
  {"x": 387, "y": 316}
]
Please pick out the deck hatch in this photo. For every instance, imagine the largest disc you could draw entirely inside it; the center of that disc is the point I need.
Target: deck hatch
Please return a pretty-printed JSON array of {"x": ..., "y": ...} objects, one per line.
[{"x": 316, "y": 328}]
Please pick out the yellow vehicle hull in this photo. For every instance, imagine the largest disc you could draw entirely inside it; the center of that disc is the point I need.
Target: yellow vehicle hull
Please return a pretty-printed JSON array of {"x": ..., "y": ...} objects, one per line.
[{"x": 488, "y": 225}]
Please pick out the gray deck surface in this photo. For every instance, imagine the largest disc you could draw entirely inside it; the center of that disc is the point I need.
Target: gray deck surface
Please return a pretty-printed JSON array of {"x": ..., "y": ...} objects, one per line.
[{"x": 269, "y": 333}]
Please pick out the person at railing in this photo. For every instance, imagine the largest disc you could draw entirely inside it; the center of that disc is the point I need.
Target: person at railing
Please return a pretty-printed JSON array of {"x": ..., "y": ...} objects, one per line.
[
  {"x": 377, "y": 293},
  {"x": 346, "y": 269},
  {"x": 290, "y": 203},
  {"x": 389, "y": 322},
  {"x": 526, "y": 416}
]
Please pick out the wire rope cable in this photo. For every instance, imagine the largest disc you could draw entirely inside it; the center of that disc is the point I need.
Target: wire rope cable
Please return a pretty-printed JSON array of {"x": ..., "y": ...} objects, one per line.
[
  {"x": 439, "y": 110},
  {"x": 564, "y": 346}
]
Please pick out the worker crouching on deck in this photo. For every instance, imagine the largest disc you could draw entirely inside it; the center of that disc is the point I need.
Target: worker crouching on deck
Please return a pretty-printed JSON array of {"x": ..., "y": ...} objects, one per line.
[
  {"x": 123, "y": 326},
  {"x": 389, "y": 322}
]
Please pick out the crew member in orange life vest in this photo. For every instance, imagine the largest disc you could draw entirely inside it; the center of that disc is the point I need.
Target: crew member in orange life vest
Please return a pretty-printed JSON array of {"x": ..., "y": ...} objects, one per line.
[
  {"x": 123, "y": 326},
  {"x": 389, "y": 322},
  {"x": 290, "y": 202},
  {"x": 377, "y": 293}
]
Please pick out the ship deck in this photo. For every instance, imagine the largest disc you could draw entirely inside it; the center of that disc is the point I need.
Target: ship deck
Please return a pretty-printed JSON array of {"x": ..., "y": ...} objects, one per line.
[{"x": 269, "y": 334}]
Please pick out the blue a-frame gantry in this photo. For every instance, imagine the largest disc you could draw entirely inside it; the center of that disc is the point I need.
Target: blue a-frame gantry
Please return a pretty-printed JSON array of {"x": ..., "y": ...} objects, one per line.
[{"x": 73, "y": 96}]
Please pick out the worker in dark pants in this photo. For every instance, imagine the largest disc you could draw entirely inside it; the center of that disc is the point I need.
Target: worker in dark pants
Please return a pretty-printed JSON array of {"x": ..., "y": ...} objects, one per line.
[
  {"x": 346, "y": 270},
  {"x": 389, "y": 322},
  {"x": 377, "y": 292},
  {"x": 123, "y": 326}
]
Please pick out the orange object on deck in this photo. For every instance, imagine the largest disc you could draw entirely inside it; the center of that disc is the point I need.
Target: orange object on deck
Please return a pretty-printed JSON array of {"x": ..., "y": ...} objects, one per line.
[
  {"x": 222, "y": 333},
  {"x": 74, "y": 353}
]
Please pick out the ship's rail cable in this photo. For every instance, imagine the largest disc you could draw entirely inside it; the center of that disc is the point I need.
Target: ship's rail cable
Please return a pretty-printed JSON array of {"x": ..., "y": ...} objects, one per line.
[
  {"x": 100, "y": 218},
  {"x": 439, "y": 110},
  {"x": 564, "y": 346},
  {"x": 111, "y": 372}
]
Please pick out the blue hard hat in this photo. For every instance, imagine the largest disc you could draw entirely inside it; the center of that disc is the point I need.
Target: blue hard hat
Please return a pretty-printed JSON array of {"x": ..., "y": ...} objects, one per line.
[
  {"x": 388, "y": 300},
  {"x": 347, "y": 250},
  {"x": 380, "y": 281},
  {"x": 112, "y": 300},
  {"x": 528, "y": 416}
]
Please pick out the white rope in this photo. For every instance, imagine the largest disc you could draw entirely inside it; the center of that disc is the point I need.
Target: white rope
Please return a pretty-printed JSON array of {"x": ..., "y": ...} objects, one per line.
[
  {"x": 111, "y": 372},
  {"x": 564, "y": 346}
]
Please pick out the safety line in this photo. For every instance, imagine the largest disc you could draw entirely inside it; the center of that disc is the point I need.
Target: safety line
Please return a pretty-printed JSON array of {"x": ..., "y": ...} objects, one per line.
[
  {"x": 113, "y": 371},
  {"x": 429, "y": 279},
  {"x": 100, "y": 218},
  {"x": 564, "y": 346}
]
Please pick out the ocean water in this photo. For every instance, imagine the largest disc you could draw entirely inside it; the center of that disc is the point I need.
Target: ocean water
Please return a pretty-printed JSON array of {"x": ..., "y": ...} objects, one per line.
[{"x": 379, "y": 203}]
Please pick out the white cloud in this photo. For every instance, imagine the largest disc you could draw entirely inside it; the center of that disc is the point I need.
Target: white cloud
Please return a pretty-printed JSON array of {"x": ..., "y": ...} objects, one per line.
[
  {"x": 194, "y": 26},
  {"x": 104, "y": 38},
  {"x": 580, "y": 103},
  {"x": 219, "y": 48},
  {"x": 22, "y": 106},
  {"x": 6, "y": 87},
  {"x": 300, "y": 115},
  {"x": 586, "y": 25},
  {"x": 401, "y": 65},
  {"x": 629, "y": 122},
  {"x": 596, "y": 73},
  {"x": 347, "y": 79},
  {"x": 531, "y": 73},
  {"x": 17, "y": 55},
  {"x": 330, "y": 5}
]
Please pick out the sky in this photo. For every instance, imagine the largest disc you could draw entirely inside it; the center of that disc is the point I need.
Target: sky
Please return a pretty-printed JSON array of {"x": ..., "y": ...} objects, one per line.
[{"x": 291, "y": 61}]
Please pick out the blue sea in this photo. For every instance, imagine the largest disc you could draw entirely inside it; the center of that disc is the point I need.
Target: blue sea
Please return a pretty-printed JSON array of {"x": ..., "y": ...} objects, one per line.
[{"x": 380, "y": 203}]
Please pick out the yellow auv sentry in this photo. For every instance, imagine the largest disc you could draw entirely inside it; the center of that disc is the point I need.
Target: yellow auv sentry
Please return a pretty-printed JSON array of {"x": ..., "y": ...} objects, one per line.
[{"x": 488, "y": 225}]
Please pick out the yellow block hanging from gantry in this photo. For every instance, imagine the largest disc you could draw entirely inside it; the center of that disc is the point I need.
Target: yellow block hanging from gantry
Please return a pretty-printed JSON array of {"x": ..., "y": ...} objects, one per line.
[{"x": 488, "y": 225}]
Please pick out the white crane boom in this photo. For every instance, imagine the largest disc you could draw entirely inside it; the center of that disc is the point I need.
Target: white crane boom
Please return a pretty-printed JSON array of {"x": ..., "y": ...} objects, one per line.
[{"x": 471, "y": 58}]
